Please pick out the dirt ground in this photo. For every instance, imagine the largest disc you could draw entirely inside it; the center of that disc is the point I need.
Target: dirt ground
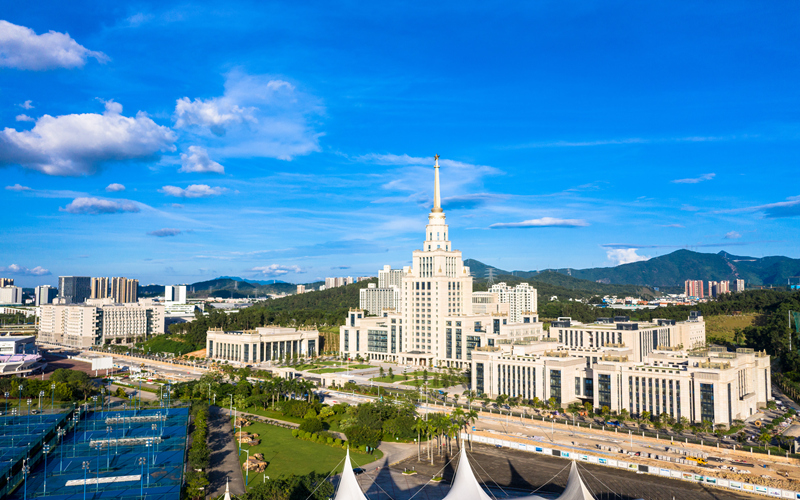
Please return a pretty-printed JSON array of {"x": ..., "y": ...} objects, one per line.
[{"x": 54, "y": 363}]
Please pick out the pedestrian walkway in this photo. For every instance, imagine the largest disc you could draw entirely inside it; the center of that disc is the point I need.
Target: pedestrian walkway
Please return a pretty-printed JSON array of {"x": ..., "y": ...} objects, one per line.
[{"x": 224, "y": 458}]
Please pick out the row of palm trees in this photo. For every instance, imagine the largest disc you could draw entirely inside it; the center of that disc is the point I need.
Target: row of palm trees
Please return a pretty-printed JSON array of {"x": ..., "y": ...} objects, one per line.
[{"x": 441, "y": 427}]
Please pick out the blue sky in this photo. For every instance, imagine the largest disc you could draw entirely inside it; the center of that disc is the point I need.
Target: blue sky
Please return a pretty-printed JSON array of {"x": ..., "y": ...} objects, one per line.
[{"x": 176, "y": 142}]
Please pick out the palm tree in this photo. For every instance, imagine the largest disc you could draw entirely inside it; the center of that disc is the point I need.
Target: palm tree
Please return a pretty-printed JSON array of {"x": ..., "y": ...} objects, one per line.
[{"x": 420, "y": 426}]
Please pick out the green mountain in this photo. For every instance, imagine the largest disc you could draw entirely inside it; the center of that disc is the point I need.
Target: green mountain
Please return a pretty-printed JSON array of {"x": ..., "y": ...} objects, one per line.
[
  {"x": 670, "y": 270},
  {"x": 675, "y": 268},
  {"x": 550, "y": 283}
]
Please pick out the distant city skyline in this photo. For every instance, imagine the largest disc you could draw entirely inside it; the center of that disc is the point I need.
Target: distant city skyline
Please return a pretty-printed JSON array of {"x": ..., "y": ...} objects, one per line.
[{"x": 300, "y": 145}]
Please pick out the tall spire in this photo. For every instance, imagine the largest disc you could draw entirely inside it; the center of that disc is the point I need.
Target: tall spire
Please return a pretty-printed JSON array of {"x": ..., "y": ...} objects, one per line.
[{"x": 437, "y": 198}]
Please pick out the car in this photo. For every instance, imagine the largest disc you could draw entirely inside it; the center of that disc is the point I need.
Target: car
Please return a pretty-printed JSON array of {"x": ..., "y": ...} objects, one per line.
[{"x": 358, "y": 470}]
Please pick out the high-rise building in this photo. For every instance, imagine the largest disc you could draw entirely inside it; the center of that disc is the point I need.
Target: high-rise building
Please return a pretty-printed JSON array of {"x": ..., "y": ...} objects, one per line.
[
  {"x": 388, "y": 277},
  {"x": 737, "y": 285},
  {"x": 301, "y": 289},
  {"x": 74, "y": 289},
  {"x": 6, "y": 282},
  {"x": 124, "y": 290},
  {"x": 521, "y": 300},
  {"x": 99, "y": 288},
  {"x": 45, "y": 295},
  {"x": 175, "y": 294},
  {"x": 374, "y": 300},
  {"x": 10, "y": 295},
  {"x": 693, "y": 288}
]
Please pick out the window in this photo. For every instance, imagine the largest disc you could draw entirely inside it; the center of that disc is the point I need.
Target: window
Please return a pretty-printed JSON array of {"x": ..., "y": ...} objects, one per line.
[
  {"x": 588, "y": 387},
  {"x": 479, "y": 378},
  {"x": 577, "y": 386},
  {"x": 555, "y": 385},
  {"x": 707, "y": 402},
  {"x": 604, "y": 390}
]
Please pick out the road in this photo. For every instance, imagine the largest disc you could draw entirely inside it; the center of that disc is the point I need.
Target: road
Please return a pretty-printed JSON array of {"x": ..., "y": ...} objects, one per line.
[{"x": 224, "y": 458}]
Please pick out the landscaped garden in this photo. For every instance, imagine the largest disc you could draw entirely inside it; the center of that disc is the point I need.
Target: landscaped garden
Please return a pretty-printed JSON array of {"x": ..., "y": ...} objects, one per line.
[{"x": 286, "y": 454}]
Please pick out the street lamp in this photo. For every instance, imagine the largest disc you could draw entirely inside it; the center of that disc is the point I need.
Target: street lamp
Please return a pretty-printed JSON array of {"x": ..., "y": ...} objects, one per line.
[
  {"x": 46, "y": 449},
  {"x": 141, "y": 461},
  {"x": 41, "y": 393},
  {"x": 246, "y": 470},
  {"x": 85, "y": 466},
  {"x": 52, "y": 395},
  {"x": 28, "y": 420},
  {"x": 7, "y": 395}
]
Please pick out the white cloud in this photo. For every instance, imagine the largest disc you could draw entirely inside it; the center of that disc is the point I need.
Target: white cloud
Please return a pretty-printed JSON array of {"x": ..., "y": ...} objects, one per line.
[
  {"x": 165, "y": 232},
  {"x": 24, "y": 271},
  {"x": 695, "y": 180},
  {"x": 624, "y": 256},
  {"x": 276, "y": 270},
  {"x": 25, "y": 118},
  {"x": 114, "y": 187},
  {"x": 79, "y": 144},
  {"x": 732, "y": 235},
  {"x": 257, "y": 116},
  {"x": 18, "y": 187},
  {"x": 541, "y": 222},
  {"x": 193, "y": 191},
  {"x": 197, "y": 160},
  {"x": 26, "y": 105},
  {"x": 22, "y": 48},
  {"x": 99, "y": 206}
]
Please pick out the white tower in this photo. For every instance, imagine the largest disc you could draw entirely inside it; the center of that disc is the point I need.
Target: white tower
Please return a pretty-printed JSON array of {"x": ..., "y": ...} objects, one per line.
[{"x": 435, "y": 286}]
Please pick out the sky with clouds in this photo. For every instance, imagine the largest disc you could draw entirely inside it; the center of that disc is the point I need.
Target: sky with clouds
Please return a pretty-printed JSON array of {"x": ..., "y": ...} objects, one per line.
[{"x": 179, "y": 141}]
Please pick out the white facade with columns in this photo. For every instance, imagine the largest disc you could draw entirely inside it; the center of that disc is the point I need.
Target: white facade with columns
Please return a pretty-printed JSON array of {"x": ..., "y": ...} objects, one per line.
[{"x": 262, "y": 344}]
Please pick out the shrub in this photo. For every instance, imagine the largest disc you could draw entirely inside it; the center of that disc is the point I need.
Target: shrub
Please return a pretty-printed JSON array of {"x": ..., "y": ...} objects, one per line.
[
  {"x": 358, "y": 435},
  {"x": 312, "y": 425}
]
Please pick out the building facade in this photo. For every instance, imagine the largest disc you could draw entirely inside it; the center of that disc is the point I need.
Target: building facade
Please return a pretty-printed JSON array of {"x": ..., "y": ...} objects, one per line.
[
  {"x": 388, "y": 277},
  {"x": 124, "y": 290},
  {"x": 521, "y": 299},
  {"x": 373, "y": 300},
  {"x": 693, "y": 288},
  {"x": 99, "y": 288},
  {"x": 261, "y": 345},
  {"x": 100, "y": 322},
  {"x": 703, "y": 384},
  {"x": 45, "y": 295},
  {"x": 11, "y": 295},
  {"x": 175, "y": 294},
  {"x": 6, "y": 282},
  {"x": 74, "y": 289}
]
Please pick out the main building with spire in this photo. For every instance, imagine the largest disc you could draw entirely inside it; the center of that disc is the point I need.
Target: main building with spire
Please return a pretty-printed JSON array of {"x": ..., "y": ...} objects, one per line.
[{"x": 662, "y": 366}]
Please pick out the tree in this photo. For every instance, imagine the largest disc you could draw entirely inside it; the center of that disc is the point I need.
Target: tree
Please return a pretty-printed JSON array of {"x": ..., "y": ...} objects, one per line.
[
  {"x": 765, "y": 437},
  {"x": 391, "y": 374},
  {"x": 588, "y": 406},
  {"x": 381, "y": 372}
]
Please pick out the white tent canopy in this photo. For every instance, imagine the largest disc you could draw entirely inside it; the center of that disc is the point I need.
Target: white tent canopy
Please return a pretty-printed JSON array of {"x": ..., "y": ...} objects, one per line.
[
  {"x": 575, "y": 489},
  {"x": 465, "y": 486},
  {"x": 348, "y": 486}
]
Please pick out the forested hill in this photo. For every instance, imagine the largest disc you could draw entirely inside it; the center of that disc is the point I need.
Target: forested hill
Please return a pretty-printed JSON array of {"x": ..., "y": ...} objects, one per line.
[
  {"x": 551, "y": 283},
  {"x": 673, "y": 269}
]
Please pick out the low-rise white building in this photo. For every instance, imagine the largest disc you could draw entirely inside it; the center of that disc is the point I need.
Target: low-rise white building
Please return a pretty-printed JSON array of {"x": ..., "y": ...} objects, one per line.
[
  {"x": 700, "y": 384},
  {"x": 268, "y": 343}
]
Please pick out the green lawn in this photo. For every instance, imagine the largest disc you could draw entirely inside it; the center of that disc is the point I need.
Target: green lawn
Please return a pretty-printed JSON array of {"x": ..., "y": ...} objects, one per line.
[
  {"x": 387, "y": 380},
  {"x": 419, "y": 383},
  {"x": 286, "y": 454},
  {"x": 328, "y": 370},
  {"x": 273, "y": 414},
  {"x": 723, "y": 326}
]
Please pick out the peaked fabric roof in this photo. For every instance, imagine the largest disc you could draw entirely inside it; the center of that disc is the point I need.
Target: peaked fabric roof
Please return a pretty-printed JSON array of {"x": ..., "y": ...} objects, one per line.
[
  {"x": 575, "y": 489},
  {"x": 465, "y": 486},
  {"x": 348, "y": 486},
  {"x": 227, "y": 490}
]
